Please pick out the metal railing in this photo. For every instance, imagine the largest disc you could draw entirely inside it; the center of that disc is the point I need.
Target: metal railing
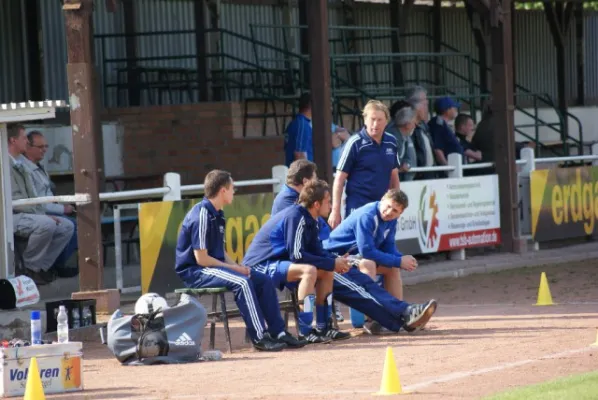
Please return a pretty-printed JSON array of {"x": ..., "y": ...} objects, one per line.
[{"x": 173, "y": 191}]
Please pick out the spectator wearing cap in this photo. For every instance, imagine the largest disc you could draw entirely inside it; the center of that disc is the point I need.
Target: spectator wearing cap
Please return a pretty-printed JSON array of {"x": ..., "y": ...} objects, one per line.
[{"x": 445, "y": 141}]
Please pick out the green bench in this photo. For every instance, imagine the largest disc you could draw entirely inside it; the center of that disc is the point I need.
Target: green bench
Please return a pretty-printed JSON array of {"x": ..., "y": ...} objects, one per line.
[{"x": 290, "y": 305}]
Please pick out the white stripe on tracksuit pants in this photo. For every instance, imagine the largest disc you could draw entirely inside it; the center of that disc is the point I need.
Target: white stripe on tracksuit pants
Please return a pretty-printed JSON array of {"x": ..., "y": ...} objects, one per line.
[{"x": 357, "y": 290}]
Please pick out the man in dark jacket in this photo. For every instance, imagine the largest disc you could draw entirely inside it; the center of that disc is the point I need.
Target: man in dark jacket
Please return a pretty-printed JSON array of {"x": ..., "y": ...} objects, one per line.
[{"x": 422, "y": 141}]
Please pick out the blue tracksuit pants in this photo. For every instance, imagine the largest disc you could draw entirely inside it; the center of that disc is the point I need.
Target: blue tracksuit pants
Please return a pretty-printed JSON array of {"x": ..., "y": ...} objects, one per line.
[
  {"x": 359, "y": 291},
  {"x": 255, "y": 296}
]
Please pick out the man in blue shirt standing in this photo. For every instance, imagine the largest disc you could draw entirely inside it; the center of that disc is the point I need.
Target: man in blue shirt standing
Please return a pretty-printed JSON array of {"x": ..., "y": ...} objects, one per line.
[
  {"x": 370, "y": 232},
  {"x": 201, "y": 262},
  {"x": 288, "y": 249},
  {"x": 359, "y": 291},
  {"x": 299, "y": 136},
  {"x": 369, "y": 164}
]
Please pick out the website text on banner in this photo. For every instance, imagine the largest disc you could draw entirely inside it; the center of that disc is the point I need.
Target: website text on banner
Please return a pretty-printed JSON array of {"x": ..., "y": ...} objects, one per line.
[
  {"x": 449, "y": 214},
  {"x": 443, "y": 215},
  {"x": 564, "y": 203}
]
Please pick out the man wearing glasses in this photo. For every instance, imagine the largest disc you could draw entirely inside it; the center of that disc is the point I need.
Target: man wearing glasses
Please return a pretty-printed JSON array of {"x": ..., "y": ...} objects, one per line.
[{"x": 37, "y": 146}]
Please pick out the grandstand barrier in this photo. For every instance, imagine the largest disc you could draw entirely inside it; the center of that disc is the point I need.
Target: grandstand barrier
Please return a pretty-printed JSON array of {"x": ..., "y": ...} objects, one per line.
[{"x": 160, "y": 220}]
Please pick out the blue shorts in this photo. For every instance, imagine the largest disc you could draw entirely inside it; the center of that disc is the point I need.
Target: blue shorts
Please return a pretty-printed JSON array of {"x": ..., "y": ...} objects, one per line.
[{"x": 277, "y": 271}]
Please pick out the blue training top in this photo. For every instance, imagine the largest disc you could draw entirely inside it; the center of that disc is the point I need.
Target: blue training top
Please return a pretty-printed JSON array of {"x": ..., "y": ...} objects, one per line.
[
  {"x": 369, "y": 166},
  {"x": 366, "y": 233},
  {"x": 202, "y": 229},
  {"x": 289, "y": 196},
  {"x": 290, "y": 235},
  {"x": 298, "y": 138}
]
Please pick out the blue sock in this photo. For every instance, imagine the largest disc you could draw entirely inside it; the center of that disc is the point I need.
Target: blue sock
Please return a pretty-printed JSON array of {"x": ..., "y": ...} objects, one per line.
[
  {"x": 305, "y": 321},
  {"x": 321, "y": 316},
  {"x": 306, "y": 317},
  {"x": 328, "y": 308}
]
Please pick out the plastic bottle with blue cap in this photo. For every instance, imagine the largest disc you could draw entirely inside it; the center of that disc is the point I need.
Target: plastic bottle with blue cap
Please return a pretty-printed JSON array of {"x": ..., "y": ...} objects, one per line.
[{"x": 36, "y": 328}]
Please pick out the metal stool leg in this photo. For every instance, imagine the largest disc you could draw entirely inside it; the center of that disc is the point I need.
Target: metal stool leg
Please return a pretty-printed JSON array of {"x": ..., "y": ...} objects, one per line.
[
  {"x": 295, "y": 300},
  {"x": 333, "y": 315},
  {"x": 225, "y": 320},
  {"x": 288, "y": 296},
  {"x": 213, "y": 322}
]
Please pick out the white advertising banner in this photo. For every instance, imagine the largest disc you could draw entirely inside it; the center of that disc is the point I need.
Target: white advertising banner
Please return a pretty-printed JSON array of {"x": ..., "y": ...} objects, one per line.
[
  {"x": 60, "y": 368},
  {"x": 449, "y": 214}
]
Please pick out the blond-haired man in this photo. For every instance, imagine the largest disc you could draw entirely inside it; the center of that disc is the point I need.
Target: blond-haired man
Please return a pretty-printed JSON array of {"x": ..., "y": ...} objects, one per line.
[{"x": 369, "y": 164}]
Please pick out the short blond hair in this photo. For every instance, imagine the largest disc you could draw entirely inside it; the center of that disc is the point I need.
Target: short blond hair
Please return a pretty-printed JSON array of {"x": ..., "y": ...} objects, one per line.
[{"x": 375, "y": 105}]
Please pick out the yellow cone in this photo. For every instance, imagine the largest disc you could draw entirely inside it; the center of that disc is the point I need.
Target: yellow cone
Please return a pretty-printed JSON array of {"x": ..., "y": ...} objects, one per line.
[
  {"x": 391, "y": 383},
  {"x": 544, "y": 296},
  {"x": 595, "y": 344},
  {"x": 34, "y": 389}
]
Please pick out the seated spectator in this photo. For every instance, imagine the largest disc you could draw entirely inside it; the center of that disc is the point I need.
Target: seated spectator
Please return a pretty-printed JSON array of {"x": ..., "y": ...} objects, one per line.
[
  {"x": 36, "y": 150},
  {"x": 298, "y": 142},
  {"x": 47, "y": 235},
  {"x": 402, "y": 125},
  {"x": 422, "y": 140},
  {"x": 445, "y": 140},
  {"x": 464, "y": 129}
]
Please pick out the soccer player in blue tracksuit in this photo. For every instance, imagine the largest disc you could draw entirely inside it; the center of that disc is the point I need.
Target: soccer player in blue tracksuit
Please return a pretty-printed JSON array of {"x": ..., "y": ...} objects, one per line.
[
  {"x": 359, "y": 291},
  {"x": 370, "y": 232},
  {"x": 201, "y": 262},
  {"x": 288, "y": 249},
  {"x": 369, "y": 164},
  {"x": 300, "y": 172}
]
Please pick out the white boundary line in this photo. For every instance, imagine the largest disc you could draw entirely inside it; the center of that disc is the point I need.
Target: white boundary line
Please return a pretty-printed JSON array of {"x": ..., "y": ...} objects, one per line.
[
  {"x": 410, "y": 388},
  {"x": 570, "y": 303}
]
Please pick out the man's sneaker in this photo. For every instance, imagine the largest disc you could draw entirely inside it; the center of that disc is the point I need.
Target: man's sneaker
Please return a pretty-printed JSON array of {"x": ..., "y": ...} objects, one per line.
[
  {"x": 335, "y": 334},
  {"x": 269, "y": 344},
  {"x": 291, "y": 341},
  {"x": 417, "y": 315},
  {"x": 315, "y": 337},
  {"x": 374, "y": 328},
  {"x": 337, "y": 311}
]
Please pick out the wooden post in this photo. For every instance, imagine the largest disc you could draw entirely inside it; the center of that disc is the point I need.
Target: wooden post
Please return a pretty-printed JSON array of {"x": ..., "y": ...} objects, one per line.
[
  {"x": 87, "y": 139},
  {"x": 503, "y": 111},
  {"x": 320, "y": 86}
]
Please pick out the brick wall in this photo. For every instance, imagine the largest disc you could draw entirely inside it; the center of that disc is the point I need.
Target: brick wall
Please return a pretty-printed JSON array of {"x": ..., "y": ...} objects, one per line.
[{"x": 193, "y": 139}]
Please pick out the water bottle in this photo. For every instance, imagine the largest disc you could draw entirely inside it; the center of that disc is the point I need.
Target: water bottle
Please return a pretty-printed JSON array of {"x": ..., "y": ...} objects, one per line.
[
  {"x": 76, "y": 318},
  {"x": 62, "y": 329},
  {"x": 36, "y": 328},
  {"x": 86, "y": 317},
  {"x": 357, "y": 318},
  {"x": 211, "y": 355}
]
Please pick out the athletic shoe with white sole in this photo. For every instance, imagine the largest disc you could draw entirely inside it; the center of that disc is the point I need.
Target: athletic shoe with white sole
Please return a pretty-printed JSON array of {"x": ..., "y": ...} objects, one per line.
[
  {"x": 315, "y": 337},
  {"x": 418, "y": 315},
  {"x": 335, "y": 334}
]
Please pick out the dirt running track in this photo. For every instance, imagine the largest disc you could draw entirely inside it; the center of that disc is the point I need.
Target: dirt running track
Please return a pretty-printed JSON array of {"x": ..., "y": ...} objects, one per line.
[{"x": 487, "y": 337}]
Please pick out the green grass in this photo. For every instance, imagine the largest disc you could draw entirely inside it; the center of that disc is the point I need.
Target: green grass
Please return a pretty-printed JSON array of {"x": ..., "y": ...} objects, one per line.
[{"x": 577, "y": 387}]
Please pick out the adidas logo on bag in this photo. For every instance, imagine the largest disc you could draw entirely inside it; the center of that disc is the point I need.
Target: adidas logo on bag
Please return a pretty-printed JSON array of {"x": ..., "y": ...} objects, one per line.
[{"x": 184, "y": 340}]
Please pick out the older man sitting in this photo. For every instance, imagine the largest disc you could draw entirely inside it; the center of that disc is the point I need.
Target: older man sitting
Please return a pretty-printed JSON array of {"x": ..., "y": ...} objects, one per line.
[{"x": 36, "y": 150}]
